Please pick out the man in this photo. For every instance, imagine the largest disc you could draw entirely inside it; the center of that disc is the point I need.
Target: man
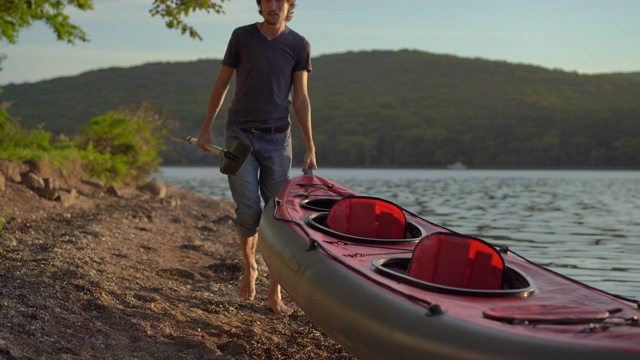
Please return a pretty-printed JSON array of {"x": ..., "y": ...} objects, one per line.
[{"x": 269, "y": 60}]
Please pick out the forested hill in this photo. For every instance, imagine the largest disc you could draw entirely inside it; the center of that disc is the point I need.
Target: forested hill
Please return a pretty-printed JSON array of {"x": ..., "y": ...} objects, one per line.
[{"x": 387, "y": 108}]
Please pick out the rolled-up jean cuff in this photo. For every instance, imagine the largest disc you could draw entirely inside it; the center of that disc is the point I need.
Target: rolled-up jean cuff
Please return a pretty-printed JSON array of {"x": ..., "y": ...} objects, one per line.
[{"x": 244, "y": 232}]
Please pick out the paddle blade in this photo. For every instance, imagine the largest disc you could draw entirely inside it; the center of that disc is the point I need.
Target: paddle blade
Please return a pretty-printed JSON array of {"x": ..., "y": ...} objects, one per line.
[
  {"x": 232, "y": 159},
  {"x": 232, "y": 162}
]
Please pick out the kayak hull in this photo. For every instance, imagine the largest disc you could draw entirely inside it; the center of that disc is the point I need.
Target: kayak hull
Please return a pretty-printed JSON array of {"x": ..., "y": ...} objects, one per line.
[{"x": 375, "y": 316}]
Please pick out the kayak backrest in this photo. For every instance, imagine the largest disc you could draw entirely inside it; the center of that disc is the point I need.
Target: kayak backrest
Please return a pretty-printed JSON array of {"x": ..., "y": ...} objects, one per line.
[
  {"x": 367, "y": 217},
  {"x": 457, "y": 260}
]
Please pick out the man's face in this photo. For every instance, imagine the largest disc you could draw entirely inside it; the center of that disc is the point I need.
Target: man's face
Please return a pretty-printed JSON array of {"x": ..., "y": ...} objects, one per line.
[{"x": 274, "y": 12}]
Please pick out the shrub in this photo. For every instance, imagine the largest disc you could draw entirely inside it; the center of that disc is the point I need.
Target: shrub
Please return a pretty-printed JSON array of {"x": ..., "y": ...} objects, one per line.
[
  {"x": 20, "y": 144},
  {"x": 118, "y": 147},
  {"x": 122, "y": 146}
]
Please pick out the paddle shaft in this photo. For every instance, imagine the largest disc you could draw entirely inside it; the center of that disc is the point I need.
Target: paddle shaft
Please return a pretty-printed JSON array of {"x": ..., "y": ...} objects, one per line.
[
  {"x": 220, "y": 151},
  {"x": 210, "y": 147}
]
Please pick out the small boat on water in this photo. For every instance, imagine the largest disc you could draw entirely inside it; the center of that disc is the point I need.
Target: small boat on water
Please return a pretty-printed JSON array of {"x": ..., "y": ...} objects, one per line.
[
  {"x": 457, "y": 166},
  {"x": 388, "y": 284}
]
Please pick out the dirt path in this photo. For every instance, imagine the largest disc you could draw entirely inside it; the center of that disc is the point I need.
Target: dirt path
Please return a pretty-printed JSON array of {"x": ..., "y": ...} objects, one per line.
[{"x": 135, "y": 277}]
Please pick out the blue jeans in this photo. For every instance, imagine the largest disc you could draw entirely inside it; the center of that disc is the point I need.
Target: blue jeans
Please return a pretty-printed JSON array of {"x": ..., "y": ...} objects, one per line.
[{"x": 261, "y": 177}]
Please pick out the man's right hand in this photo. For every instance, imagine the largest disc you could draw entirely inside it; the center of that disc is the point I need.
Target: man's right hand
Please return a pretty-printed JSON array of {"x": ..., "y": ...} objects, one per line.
[{"x": 204, "y": 138}]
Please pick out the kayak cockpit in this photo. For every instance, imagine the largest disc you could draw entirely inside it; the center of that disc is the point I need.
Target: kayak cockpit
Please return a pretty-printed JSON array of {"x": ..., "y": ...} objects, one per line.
[
  {"x": 457, "y": 264},
  {"x": 514, "y": 282},
  {"x": 413, "y": 233},
  {"x": 362, "y": 219}
]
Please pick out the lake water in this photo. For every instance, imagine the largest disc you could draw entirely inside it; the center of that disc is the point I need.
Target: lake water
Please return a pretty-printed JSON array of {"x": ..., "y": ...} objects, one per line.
[{"x": 583, "y": 224}]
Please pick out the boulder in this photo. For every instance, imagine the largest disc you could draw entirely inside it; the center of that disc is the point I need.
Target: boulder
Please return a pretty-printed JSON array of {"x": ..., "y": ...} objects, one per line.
[
  {"x": 33, "y": 181},
  {"x": 10, "y": 170},
  {"x": 113, "y": 191},
  {"x": 67, "y": 197},
  {"x": 155, "y": 187},
  {"x": 50, "y": 189}
]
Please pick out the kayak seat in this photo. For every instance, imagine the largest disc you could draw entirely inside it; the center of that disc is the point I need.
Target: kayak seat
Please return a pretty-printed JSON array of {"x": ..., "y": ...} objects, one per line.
[
  {"x": 458, "y": 261},
  {"x": 367, "y": 217}
]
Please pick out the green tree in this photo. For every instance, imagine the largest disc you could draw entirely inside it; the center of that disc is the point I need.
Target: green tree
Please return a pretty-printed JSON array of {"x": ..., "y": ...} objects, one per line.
[
  {"x": 173, "y": 12},
  {"x": 627, "y": 151},
  {"x": 16, "y": 15},
  {"x": 353, "y": 150}
]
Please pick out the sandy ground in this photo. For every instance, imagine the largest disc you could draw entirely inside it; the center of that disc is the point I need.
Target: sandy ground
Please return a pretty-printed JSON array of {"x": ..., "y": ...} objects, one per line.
[{"x": 135, "y": 277}]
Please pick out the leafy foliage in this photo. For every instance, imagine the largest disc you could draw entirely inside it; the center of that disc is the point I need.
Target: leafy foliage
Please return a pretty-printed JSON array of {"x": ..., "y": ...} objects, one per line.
[
  {"x": 172, "y": 12},
  {"x": 117, "y": 147},
  {"x": 18, "y": 14},
  {"x": 20, "y": 144},
  {"x": 123, "y": 145}
]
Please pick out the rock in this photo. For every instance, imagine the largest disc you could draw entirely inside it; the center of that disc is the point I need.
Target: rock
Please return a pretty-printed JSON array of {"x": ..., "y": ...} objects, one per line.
[
  {"x": 50, "y": 189},
  {"x": 96, "y": 184},
  {"x": 3, "y": 182},
  {"x": 67, "y": 197},
  {"x": 155, "y": 187},
  {"x": 173, "y": 201},
  {"x": 33, "y": 181},
  {"x": 10, "y": 170},
  {"x": 113, "y": 191},
  {"x": 31, "y": 165}
]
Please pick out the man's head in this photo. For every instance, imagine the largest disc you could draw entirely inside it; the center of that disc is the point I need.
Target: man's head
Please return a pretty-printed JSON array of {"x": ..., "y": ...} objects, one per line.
[{"x": 265, "y": 6}]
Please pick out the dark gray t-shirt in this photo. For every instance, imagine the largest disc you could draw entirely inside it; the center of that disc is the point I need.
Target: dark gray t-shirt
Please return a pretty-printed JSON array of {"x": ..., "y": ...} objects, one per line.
[{"x": 264, "y": 75}]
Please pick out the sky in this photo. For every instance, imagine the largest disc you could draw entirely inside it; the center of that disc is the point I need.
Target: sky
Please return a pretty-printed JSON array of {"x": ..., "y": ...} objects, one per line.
[{"x": 585, "y": 36}]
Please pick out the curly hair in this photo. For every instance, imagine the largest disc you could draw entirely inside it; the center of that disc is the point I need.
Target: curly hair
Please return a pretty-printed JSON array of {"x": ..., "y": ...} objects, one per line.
[{"x": 292, "y": 5}]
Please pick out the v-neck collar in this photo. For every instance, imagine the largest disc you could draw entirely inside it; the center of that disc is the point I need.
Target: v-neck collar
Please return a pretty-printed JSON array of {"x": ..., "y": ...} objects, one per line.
[{"x": 257, "y": 26}]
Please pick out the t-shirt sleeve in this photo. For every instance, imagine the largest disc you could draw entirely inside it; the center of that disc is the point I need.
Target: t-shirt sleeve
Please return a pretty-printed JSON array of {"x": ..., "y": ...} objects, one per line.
[
  {"x": 232, "y": 55},
  {"x": 304, "y": 59}
]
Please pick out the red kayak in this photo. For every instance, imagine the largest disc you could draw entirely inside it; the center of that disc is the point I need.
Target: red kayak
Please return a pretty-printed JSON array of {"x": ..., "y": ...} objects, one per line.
[{"x": 387, "y": 284}]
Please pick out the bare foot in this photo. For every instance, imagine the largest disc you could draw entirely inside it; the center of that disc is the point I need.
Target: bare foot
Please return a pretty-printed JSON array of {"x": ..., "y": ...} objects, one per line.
[
  {"x": 248, "y": 287},
  {"x": 275, "y": 299},
  {"x": 279, "y": 307}
]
